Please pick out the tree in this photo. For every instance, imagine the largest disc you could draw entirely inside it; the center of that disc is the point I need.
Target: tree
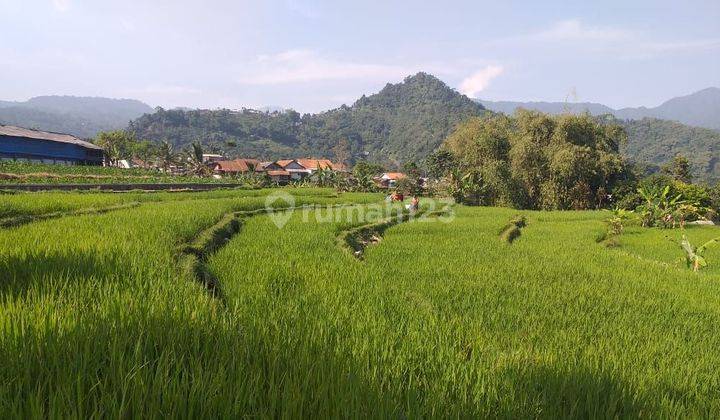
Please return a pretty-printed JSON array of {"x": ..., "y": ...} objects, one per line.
[
  {"x": 117, "y": 145},
  {"x": 694, "y": 258},
  {"x": 538, "y": 161},
  {"x": 679, "y": 168},
  {"x": 411, "y": 169},
  {"x": 364, "y": 182},
  {"x": 482, "y": 146},
  {"x": 440, "y": 163},
  {"x": 411, "y": 184},
  {"x": 195, "y": 160},
  {"x": 166, "y": 155},
  {"x": 143, "y": 150},
  {"x": 364, "y": 168},
  {"x": 324, "y": 177},
  {"x": 342, "y": 151}
]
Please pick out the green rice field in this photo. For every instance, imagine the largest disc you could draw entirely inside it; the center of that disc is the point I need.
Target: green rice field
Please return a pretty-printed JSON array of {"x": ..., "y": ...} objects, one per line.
[
  {"x": 103, "y": 314},
  {"x": 50, "y": 174}
]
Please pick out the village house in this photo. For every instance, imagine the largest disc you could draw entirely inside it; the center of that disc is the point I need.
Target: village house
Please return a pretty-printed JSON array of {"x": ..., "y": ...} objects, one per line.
[
  {"x": 211, "y": 157},
  {"x": 390, "y": 179},
  {"x": 236, "y": 166},
  {"x": 297, "y": 169},
  {"x": 279, "y": 176}
]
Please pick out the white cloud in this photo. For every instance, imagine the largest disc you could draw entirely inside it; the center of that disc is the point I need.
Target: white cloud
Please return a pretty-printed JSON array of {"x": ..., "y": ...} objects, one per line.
[
  {"x": 606, "y": 40},
  {"x": 61, "y": 5},
  {"x": 300, "y": 66},
  {"x": 575, "y": 30},
  {"x": 478, "y": 81}
]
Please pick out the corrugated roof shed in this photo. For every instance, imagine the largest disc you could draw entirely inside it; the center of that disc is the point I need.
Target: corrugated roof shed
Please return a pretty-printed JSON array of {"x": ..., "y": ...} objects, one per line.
[{"x": 9, "y": 130}]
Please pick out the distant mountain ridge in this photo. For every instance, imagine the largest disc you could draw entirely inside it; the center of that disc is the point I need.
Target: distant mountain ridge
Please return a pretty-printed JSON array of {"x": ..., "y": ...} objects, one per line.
[
  {"x": 80, "y": 116},
  {"x": 699, "y": 109}
]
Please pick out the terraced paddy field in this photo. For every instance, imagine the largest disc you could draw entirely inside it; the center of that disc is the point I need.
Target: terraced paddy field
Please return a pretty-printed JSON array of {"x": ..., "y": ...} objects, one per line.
[{"x": 206, "y": 304}]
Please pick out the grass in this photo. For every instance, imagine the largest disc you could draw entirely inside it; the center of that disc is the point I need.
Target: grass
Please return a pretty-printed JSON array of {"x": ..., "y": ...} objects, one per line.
[
  {"x": 38, "y": 173},
  {"x": 657, "y": 245},
  {"x": 438, "y": 320},
  {"x": 33, "y": 204}
]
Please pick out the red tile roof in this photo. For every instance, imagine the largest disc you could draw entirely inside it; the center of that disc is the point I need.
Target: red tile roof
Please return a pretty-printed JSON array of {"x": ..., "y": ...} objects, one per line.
[
  {"x": 237, "y": 165},
  {"x": 312, "y": 164},
  {"x": 278, "y": 173},
  {"x": 284, "y": 162},
  {"x": 394, "y": 175},
  {"x": 315, "y": 163}
]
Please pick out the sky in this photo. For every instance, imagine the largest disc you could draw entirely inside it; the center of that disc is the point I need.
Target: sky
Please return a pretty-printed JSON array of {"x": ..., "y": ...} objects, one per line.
[{"x": 316, "y": 55}]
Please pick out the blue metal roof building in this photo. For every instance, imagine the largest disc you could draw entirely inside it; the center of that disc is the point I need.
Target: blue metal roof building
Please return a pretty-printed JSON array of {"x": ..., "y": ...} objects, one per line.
[{"x": 18, "y": 143}]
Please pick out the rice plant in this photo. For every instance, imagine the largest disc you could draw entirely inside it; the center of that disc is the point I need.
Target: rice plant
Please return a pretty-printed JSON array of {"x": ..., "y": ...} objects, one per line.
[{"x": 100, "y": 318}]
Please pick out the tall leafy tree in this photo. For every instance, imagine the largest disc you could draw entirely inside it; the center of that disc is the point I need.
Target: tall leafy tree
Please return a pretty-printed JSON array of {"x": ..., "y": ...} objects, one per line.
[
  {"x": 367, "y": 169},
  {"x": 117, "y": 145},
  {"x": 440, "y": 163},
  {"x": 538, "y": 161},
  {"x": 679, "y": 168},
  {"x": 195, "y": 160},
  {"x": 166, "y": 155},
  {"x": 341, "y": 151}
]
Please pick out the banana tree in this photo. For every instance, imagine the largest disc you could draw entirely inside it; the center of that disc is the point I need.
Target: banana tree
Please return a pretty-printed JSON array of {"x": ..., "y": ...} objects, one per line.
[
  {"x": 322, "y": 176},
  {"x": 694, "y": 256},
  {"x": 195, "y": 160},
  {"x": 166, "y": 156},
  {"x": 659, "y": 206},
  {"x": 365, "y": 183}
]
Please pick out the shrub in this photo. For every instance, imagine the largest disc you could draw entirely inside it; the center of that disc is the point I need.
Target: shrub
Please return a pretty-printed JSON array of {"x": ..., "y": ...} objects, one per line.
[{"x": 511, "y": 230}]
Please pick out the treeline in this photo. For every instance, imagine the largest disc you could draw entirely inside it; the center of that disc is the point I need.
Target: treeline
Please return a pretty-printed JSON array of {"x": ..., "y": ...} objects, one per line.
[
  {"x": 532, "y": 161},
  {"x": 537, "y": 161}
]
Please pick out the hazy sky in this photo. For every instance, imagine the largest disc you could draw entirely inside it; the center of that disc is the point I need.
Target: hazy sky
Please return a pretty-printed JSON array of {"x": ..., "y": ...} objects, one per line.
[{"x": 315, "y": 55}]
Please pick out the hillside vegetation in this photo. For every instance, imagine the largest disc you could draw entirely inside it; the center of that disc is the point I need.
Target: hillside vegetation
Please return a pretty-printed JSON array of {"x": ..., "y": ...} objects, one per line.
[
  {"x": 403, "y": 122},
  {"x": 656, "y": 142}
]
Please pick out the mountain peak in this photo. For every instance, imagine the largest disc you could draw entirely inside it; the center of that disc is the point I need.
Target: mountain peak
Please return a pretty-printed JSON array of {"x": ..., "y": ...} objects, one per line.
[
  {"x": 419, "y": 88},
  {"x": 423, "y": 78}
]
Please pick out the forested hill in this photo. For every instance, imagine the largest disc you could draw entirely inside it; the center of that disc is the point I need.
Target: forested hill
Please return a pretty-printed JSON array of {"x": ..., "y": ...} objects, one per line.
[
  {"x": 402, "y": 122},
  {"x": 80, "y": 116},
  {"x": 656, "y": 141}
]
